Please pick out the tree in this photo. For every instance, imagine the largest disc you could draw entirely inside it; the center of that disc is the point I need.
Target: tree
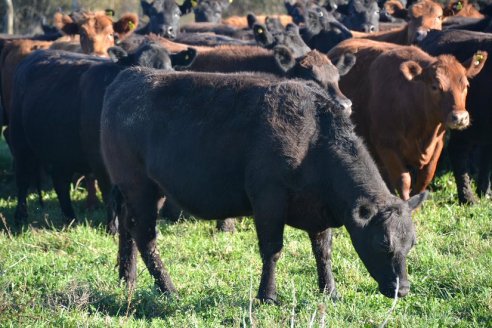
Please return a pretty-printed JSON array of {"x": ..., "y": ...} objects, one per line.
[{"x": 9, "y": 17}]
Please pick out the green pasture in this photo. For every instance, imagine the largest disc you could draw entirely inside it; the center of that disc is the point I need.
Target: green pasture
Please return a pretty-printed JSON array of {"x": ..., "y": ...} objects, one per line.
[{"x": 52, "y": 275}]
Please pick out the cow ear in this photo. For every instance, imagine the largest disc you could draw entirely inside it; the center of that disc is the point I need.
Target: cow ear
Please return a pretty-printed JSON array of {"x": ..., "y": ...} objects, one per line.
[
  {"x": 126, "y": 24},
  {"x": 67, "y": 24},
  {"x": 411, "y": 70},
  {"x": 183, "y": 58},
  {"x": 147, "y": 8},
  {"x": 345, "y": 63},
  {"x": 415, "y": 201},
  {"x": 252, "y": 20},
  {"x": 475, "y": 64},
  {"x": 284, "y": 58},
  {"x": 262, "y": 36},
  {"x": 396, "y": 9},
  {"x": 117, "y": 54}
]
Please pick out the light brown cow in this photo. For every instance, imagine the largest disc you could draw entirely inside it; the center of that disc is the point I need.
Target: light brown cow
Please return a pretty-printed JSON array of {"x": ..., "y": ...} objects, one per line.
[
  {"x": 241, "y": 22},
  {"x": 403, "y": 101},
  {"x": 97, "y": 30},
  {"x": 424, "y": 15}
]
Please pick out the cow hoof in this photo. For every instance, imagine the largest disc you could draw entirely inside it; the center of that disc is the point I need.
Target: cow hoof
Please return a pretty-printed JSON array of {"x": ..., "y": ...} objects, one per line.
[
  {"x": 268, "y": 300},
  {"x": 227, "y": 225},
  {"x": 112, "y": 227}
]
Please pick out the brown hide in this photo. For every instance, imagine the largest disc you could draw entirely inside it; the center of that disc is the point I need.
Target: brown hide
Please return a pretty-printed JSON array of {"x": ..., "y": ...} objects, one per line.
[
  {"x": 12, "y": 54},
  {"x": 241, "y": 22},
  {"x": 425, "y": 15},
  {"x": 97, "y": 30},
  {"x": 403, "y": 100}
]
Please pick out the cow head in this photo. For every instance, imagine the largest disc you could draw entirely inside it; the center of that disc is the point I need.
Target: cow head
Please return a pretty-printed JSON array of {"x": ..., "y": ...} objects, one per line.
[
  {"x": 383, "y": 235},
  {"x": 153, "y": 55},
  {"x": 446, "y": 85},
  {"x": 363, "y": 15},
  {"x": 315, "y": 66},
  {"x": 425, "y": 15},
  {"x": 325, "y": 31},
  {"x": 210, "y": 10},
  {"x": 288, "y": 37},
  {"x": 395, "y": 9},
  {"x": 97, "y": 30},
  {"x": 163, "y": 16},
  {"x": 297, "y": 9}
]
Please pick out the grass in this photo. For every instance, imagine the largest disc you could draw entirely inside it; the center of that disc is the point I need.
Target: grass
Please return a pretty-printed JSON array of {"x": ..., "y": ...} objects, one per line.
[{"x": 55, "y": 276}]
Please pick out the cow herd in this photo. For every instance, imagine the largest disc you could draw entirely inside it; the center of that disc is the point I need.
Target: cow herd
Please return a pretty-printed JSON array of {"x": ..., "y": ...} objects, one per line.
[{"x": 333, "y": 115}]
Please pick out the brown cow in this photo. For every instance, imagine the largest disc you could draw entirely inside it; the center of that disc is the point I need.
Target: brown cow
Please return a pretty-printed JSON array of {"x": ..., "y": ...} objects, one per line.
[
  {"x": 97, "y": 30},
  {"x": 241, "y": 22},
  {"x": 424, "y": 15},
  {"x": 403, "y": 100}
]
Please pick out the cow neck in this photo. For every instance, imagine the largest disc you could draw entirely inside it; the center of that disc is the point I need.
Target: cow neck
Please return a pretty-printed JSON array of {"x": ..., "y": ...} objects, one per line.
[{"x": 352, "y": 173}]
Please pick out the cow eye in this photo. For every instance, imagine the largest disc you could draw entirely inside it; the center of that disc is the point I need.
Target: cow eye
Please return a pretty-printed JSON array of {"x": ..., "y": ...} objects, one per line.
[
  {"x": 435, "y": 87},
  {"x": 439, "y": 17}
]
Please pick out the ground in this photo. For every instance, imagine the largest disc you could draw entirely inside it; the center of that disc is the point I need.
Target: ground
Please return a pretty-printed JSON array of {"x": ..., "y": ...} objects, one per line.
[{"x": 52, "y": 275}]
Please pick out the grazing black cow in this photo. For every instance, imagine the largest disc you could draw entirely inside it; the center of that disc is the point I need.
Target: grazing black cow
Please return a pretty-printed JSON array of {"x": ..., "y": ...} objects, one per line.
[
  {"x": 55, "y": 116},
  {"x": 461, "y": 44},
  {"x": 285, "y": 153},
  {"x": 164, "y": 17}
]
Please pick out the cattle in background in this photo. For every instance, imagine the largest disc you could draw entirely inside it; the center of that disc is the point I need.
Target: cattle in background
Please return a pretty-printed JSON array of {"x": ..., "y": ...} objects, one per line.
[
  {"x": 244, "y": 22},
  {"x": 210, "y": 11},
  {"x": 403, "y": 101},
  {"x": 361, "y": 15},
  {"x": 424, "y": 15},
  {"x": 164, "y": 17},
  {"x": 288, "y": 37},
  {"x": 285, "y": 153},
  {"x": 47, "y": 118},
  {"x": 298, "y": 9},
  {"x": 463, "y": 44},
  {"x": 461, "y": 8},
  {"x": 322, "y": 31},
  {"x": 97, "y": 31}
]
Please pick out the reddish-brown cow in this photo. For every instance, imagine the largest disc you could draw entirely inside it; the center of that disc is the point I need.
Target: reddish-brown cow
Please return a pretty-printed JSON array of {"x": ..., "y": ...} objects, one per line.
[
  {"x": 424, "y": 15},
  {"x": 403, "y": 100},
  {"x": 97, "y": 30}
]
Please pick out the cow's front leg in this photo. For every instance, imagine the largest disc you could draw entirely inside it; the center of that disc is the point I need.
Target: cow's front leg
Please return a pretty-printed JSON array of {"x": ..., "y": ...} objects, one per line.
[
  {"x": 269, "y": 223},
  {"x": 321, "y": 245},
  {"x": 397, "y": 174},
  {"x": 426, "y": 173}
]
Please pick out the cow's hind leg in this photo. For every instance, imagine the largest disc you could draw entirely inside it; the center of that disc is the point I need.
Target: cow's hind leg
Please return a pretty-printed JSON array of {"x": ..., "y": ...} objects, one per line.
[
  {"x": 269, "y": 212},
  {"x": 321, "y": 245},
  {"x": 483, "y": 183},
  {"x": 142, "y": 204},
  {"x": 61, "y": 183},
  {"x": 459, "y": 152}
]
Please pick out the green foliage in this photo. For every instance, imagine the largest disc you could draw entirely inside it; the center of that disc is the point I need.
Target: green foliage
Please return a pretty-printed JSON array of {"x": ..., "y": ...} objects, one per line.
[{"x": 55, "y": 276}]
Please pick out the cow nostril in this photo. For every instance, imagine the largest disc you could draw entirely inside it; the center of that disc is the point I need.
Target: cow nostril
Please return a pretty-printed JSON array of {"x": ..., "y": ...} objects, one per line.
[
  {"x": 170, "y": 29},
  {"x": 372, "y": 28}
]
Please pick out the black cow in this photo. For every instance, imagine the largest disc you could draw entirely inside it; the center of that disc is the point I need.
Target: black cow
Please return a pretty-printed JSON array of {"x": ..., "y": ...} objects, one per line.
[
  {"x": 270, "y": 37},
  {"x": 285, "y": 153},
  {"x": 462, "y": 45},
  {"x": 210, "y": 10},
  {"x": 362, "y": 15},
  {"x": 323, "y": 31},
  {"x": 164, "y": 17},
  {"x": 55, "y": 116}
]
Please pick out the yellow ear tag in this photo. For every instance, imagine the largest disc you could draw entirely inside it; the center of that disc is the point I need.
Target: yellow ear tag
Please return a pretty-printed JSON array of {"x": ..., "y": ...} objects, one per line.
[
  {"x": 131, "y": 25},
  {"x": 194, "y": 3},
  {"x": 478, "y": 59},
  {"x": 459, "y": 6},
  {"x": 230, "y": 1},
  {"x": 187, "y": 57},
  {"x": 260, "y": 31},
  {"x": 109, "y": 12}
]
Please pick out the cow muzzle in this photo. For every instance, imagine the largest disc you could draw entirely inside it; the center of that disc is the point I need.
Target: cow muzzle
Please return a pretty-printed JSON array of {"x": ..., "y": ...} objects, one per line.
[
  {"x": 420, "y": 35},
  {"x": 458, "y": 120},
  {"x": 389, "y": 290}
]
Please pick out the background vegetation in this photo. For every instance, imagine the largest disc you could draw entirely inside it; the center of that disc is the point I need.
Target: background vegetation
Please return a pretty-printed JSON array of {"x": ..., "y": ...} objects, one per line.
[{"x": 56, "y": 276}]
